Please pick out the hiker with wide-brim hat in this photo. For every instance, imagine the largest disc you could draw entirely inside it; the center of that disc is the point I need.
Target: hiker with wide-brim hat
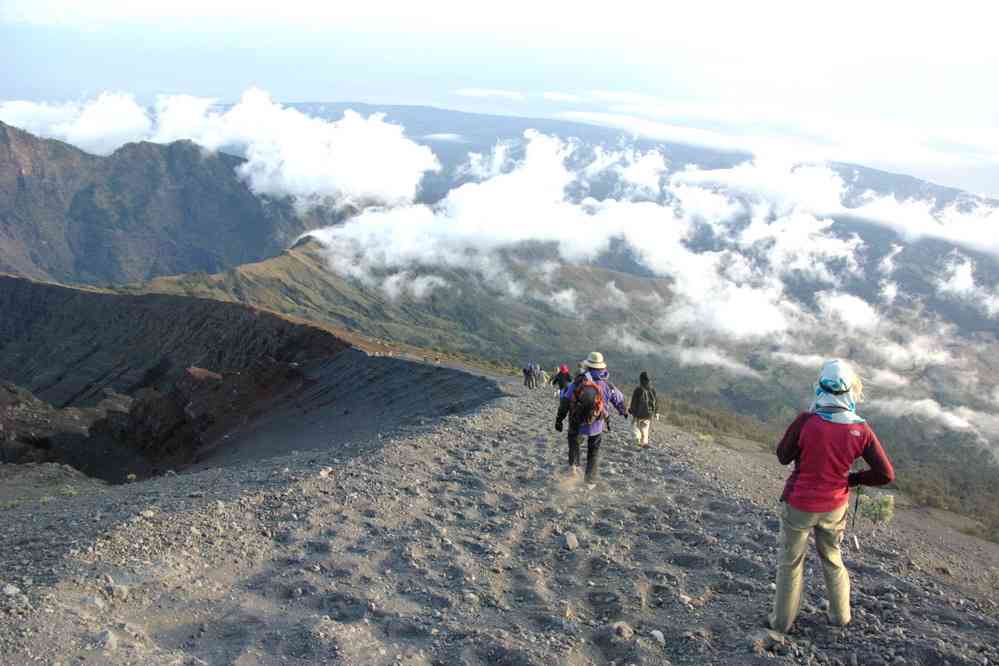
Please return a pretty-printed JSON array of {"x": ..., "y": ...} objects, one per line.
[
  {"x": 823, "y": 443},
  {"x": 586, "y": 404}
]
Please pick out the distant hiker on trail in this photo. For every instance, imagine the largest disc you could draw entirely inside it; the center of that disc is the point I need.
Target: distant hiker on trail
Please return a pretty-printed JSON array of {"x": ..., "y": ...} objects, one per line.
[
  {"x": 531, "y": 375},
  {"x": 562, "y": 378},
  {"x": 553, "y": 379},
  {"x": 585, "y": 402},
  {"x": 823, "y": 443},
  {"x": 643, "y": 407}
]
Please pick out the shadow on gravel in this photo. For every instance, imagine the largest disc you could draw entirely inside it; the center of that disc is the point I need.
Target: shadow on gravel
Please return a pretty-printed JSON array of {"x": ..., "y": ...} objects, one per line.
[{"x": 349, "y": 405}]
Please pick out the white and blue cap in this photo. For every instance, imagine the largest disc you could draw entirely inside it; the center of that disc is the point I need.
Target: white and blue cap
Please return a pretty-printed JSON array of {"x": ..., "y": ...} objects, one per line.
[
  {"x": 834, "y": 394},
  {"x": 837, "y": 377}
]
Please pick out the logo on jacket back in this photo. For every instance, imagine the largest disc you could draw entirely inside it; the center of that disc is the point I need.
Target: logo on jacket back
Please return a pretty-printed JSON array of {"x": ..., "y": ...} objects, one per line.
[{"x": 855, "y": 433}]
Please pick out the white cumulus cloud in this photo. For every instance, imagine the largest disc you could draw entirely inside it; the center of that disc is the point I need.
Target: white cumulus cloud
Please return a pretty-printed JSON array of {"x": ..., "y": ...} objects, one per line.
[
  {"x": 418, "y": 288},
  {"x": 958, "y": 281},
  {"x": 925, "y": 408},
  {"x": 810, "y": 361},
  {"x": 354, "y": 161},
  {"x": 709, "y": 356},
  {"x": 101, "y": 125},
  {"x": 848, "y": 311},
  {"x": 445, "y": 137}
]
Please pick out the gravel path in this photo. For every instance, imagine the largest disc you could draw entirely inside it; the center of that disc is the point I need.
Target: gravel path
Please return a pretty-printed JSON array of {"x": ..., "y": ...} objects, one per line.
[{"x": 463, "y": 541}]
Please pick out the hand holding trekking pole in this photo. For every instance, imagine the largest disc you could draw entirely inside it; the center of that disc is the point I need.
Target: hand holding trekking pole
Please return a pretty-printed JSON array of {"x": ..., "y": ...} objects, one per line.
[{"x": 856, "y": 506}]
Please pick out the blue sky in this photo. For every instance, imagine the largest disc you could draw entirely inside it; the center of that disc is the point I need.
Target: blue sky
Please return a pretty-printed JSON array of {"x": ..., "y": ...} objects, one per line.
[{"x": 891, "y": 86}]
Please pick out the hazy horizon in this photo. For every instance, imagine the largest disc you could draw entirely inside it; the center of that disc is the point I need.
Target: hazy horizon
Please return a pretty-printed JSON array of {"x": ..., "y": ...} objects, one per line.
[{"x": 893, "y": 87}]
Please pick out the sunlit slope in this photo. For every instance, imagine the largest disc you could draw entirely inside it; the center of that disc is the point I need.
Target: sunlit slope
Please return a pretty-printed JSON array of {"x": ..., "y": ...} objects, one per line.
[{"x": 468, "y": 318}]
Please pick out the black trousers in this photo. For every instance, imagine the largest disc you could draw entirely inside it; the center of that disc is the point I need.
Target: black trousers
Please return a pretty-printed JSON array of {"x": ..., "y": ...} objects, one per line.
[{"x": 592, "y": 453}]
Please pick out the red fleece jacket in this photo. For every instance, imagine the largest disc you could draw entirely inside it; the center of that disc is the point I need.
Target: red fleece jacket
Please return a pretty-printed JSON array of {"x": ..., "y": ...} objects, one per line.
[{"x": 823, "y": 453}]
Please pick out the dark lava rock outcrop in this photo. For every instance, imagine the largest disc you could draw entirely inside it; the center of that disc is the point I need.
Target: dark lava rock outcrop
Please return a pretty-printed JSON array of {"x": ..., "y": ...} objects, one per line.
[
  {"x": 168, "y": 427},
  {"x": 33, "y": 431}
]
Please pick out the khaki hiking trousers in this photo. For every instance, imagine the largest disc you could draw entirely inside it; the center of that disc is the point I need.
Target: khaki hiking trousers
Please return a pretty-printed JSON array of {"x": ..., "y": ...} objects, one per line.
[
  {"x": 640, "y": 428},
  {"x": 828, "y": 528}
]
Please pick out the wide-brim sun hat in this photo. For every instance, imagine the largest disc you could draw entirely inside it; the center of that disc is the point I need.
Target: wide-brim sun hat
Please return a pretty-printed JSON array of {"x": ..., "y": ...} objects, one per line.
[{"x": 595, "y": 361}]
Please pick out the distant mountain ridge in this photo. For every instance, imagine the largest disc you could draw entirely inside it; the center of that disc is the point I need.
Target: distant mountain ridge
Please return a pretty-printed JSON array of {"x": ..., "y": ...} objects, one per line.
[
  {"x": 145, "y": 210},
  {"x": 150, "y": 210},
  {"x": 479, "y": 132}
]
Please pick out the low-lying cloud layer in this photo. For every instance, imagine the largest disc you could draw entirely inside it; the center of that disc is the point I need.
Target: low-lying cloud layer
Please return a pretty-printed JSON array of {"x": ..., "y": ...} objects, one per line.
[
  {"x": 354, "y": 161},
  {"x": 765, "y": 130},
  {"x": 771, "y": 227},
  {"x": 957, "y": 280},
  {"x": 754, "y": 266}
]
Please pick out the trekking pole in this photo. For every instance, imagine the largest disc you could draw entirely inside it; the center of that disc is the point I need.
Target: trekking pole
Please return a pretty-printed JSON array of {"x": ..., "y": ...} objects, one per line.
[
  {"x": 856, "y": 510},
  {"x": 856, "y": 504}
]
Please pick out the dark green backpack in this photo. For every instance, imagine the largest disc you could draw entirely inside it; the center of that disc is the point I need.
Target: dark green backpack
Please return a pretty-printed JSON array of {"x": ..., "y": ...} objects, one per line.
[{"x": 645, "y": 404}]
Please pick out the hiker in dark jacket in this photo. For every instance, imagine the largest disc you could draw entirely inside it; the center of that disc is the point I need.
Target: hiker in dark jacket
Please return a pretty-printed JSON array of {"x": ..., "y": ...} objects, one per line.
[
  {"x": 643, "y": 407},
  {"x": 562, "y": 378},
  {"x": 823, "y": 443},
  {"x": 586, "y": 403}
]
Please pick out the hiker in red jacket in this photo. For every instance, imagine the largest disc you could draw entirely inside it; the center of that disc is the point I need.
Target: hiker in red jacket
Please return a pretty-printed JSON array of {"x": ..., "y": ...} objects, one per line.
[{"x": 823, "y": 443}]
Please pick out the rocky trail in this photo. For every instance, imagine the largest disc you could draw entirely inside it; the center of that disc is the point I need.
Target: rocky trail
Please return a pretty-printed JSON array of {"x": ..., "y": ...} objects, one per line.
[{"x": 462, "y": 540}]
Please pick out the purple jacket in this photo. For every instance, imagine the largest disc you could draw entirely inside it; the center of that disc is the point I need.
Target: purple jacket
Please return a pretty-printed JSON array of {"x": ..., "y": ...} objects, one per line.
[{"x": 611, "y": 397}]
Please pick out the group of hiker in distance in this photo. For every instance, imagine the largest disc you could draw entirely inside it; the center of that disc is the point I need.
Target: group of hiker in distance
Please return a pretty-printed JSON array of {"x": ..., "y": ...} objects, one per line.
[{"x": 823, "y": 442}]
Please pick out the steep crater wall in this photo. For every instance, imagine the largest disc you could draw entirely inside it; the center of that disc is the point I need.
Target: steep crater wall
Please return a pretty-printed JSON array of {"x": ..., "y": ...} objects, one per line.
[
  {"x": 121, "y": 386},
  {"x": 67, "y": 346}
]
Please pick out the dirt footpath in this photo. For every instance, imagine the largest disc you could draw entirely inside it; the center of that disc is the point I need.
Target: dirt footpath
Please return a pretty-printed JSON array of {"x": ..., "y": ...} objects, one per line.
[{"x": 462, "y": 541}]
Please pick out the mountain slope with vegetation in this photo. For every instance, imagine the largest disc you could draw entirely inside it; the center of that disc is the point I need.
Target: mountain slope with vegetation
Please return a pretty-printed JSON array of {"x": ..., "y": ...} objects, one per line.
[{"x": 473, "y": 321}]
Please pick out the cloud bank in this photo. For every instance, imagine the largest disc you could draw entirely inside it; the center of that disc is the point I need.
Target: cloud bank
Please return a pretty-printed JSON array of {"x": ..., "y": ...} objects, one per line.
[
  {"x": 731, "y": 247},
  {"x": 352, "y": 162},
  {"x": 956, "y": 153},
  {"x": 752, "y": 261},
  {"x": 100, "y": 125},
  {"x": 957, "y": 280}
]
